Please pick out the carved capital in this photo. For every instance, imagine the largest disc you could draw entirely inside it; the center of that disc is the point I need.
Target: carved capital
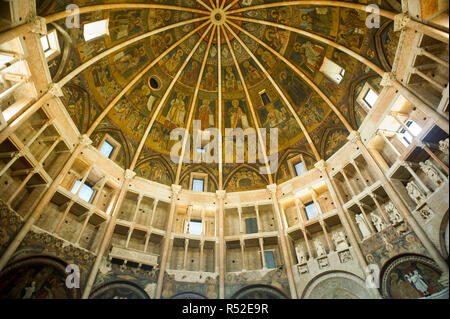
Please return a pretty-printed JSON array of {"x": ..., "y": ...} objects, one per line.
[
  {"x": 354, "y": 137},
  {"x": 129, "y": 174},
  {"x": 85, "y": 140},
  {"x": 176, "y": 189},
  {"x": 272, "y": 188},
  {"x": 221, "y": 194},
  {"x": 388, "y": 79},
  {"x": 55, "y": 90},
  {"x": 39, "y": 25},
  {"x": 400, "y": 21},
  {"x": 321, "y": 165}
]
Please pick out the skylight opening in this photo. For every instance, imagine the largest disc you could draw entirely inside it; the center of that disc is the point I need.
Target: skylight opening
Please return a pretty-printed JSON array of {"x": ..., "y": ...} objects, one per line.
[
  {"x": 332, "y": 71},
  {"x": 96, "y": 29}
]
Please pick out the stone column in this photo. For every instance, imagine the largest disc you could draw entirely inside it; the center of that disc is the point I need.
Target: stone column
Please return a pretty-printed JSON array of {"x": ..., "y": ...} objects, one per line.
[
  {"x": 243, "y": 254},
  {"x": 176, "y": 189},
  {"x": 398, "y": 202},
  {"x": 128, "y": 176},
  {"x": 408, "y": 166},
  {"x": 281, "y": 233},
  {"x": 261, "y": 247},
  {"x": 221, "y": 197},
  {"x": 440, "y": 120},
  {"x": 342, "y": 216},
  {"x": 84, "y": 142}
]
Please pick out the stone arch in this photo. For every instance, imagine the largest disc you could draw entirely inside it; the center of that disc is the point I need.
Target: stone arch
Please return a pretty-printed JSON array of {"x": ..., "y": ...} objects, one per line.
[
  {"x": 444, "y": 233},
  {"x": 38, "y": 277},
  {"x": 410, "y": 276},
  {"x": 163, "y": 163},
  {"x": 200, "y": 168},
  {"x": 119, "y": 290},
  {"x": 240, "y": 167},
  {"x": 337, "y": 285},
  {"x": 259, "y": 292},
  {"x": 122, "y": 140},
  {"x": 286, "y": 154},
  {"x": 324, "y": 143},
  {"x": 188, "y": 295}
]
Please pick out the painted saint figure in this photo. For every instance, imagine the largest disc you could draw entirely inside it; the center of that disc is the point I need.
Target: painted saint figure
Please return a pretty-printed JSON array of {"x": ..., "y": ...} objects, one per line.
[{"x": 177, "y": 110}]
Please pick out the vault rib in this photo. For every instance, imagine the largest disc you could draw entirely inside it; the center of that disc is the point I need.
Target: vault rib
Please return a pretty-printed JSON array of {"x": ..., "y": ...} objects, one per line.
[
  {"x": 192, "y": 107},
  {"x": 250, "y": 106},
  {"x": 164, "y": 98},
  {"x": 139, "y": 76},
  {"x": 280, "y": 92}
]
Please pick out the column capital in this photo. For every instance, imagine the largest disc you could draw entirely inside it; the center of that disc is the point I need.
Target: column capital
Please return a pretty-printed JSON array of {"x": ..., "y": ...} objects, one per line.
[
  {"x": 176, "y": 189},
  {"x": 321, "y": 165},
  {"x": 221, "y": 194},
  {"x": 85, "y": 140},
  {"x": 354, "y": 137},
  {"x": 400, "y": 21},
  {"x": 298, "y": 202},
  {"x": 56, "y": 90},
  {"x": 388, "y": 79},
  {"x": 129, "y": 174},
  {"x": 272, "y": 188},
  {"x": 39, "y": 25}
]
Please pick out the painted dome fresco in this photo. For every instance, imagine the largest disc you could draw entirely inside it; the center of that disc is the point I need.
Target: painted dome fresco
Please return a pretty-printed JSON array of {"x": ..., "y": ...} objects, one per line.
[{"x": 228, "y": 64}]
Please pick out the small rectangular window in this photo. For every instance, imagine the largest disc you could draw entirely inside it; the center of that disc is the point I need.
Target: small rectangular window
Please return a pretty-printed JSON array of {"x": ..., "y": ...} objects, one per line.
[
  {"x": 198, "y": 185},
  {"x": 370, "y": 98},
  {"x": 251, "y": 225},
  {"x": 195, "y": 227},
  {"x": 311, "y": 211},
  {"x": 300, "y": 168},
  {"x": 96, "y": 29},
  {"x": 265, "y": 98},
  {"x": 45, "y": 44},
  {"x": 50, "y": 43},
  {"x": 270, "y": 260},
  {"x": 106, "y": 149},
  {"x": 85, "y": 192},
  {"x": 332, "y": 70}
]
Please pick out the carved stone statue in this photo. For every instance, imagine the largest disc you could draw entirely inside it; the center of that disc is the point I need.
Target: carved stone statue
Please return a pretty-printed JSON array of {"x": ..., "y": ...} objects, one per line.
[
  {"x": 365, "y": 231},
  {"x": 29, "y": 291},
  {"x": 414, "y": 192},
  {"x": 443, "y": 147},
  {"x": 432, "y": 172},
  {"x": 426, "y": 213},
  {"x": 339, "y": 241},
  {"x": 393, "y": 213},
  {"x": 301, "y": 256},
  {"x": 378, "y": 222},
  {"x": 319, "y": 248}
]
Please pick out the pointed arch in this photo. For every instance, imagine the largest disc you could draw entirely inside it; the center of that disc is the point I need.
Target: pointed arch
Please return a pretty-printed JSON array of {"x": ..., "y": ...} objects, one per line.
[
  {"x": 324, "y": 145},
  {"x": 122, "y": 140},
  {"x": 242, "y": 166},
  {"x": 200, "y": 168},
  {"x": 290, "y": 151},
  {"x": 162, "y": 160}
]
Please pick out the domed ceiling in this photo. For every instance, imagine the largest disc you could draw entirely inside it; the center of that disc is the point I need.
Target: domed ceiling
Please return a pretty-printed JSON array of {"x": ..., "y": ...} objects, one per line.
[{"x": 90, "y": 92}]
